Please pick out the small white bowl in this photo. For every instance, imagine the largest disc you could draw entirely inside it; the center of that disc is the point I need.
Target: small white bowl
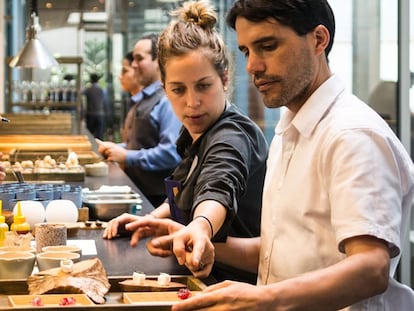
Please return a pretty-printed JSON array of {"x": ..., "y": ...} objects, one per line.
[
  {"x": 63, "y": 248},
  {"x": 29, "y": 249},
  {"x": 50, "y": 260},
  {"x": 96, "y": 169},
  {"x": 16, "y": 265}
]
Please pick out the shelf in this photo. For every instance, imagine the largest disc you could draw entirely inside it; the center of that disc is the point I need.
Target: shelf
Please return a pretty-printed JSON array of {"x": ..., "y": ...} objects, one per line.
[
  {"x": 39, "y": 104},
  {"x": 74, "y": 106}
]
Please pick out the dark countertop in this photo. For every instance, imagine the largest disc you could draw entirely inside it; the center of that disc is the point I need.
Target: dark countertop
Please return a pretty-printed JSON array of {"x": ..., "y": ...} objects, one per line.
[
  {"x": 120, "y": 259},
  {"x": 117, "y": 256}
]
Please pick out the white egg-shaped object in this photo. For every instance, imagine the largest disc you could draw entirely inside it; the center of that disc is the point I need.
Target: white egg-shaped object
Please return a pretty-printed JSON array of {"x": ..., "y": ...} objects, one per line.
[
  {"x": 34, "y": 212},
  {"x": 61, "y": 211}
]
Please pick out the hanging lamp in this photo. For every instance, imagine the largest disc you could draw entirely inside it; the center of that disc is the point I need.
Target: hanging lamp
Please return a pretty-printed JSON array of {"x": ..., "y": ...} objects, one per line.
[{"x": 33, "y": 54}]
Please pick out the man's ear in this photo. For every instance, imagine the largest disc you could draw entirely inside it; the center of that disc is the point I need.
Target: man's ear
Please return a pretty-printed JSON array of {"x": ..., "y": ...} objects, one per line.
[{"x": 322, "y": 37}]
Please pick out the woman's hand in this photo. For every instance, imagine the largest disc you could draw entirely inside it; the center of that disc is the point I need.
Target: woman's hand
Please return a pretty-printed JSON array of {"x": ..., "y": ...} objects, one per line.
[
  {"x": 117, "y": 225},
  {"x": 190, "y": 244},
  {"x": 154, "y": 227}
]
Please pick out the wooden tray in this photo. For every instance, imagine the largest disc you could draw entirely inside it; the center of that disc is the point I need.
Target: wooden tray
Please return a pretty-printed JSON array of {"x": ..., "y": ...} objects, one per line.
[
  {"x": 152, "y": 299},
  {"x": 63, "y": 175},
  {"x": 53, "y": 300},
  {"x": 115, "y": 298},
  {"x": 19, "y": 155},
  {"x": 44, "y": 142},
  {"x": 150, "y": 286},
  {"x": 84, "y": 157}
]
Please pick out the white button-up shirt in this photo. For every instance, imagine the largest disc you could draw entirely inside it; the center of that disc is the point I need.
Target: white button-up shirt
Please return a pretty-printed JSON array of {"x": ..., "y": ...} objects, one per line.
[{"x": 335, "y": 170}]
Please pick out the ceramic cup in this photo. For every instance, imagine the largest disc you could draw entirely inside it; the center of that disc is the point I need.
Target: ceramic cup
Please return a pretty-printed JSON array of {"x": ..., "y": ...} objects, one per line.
[
  {"x": 49, "y": 260},
  {"x": 16, "y": 265},
  {"x": 62, "y": 248}
]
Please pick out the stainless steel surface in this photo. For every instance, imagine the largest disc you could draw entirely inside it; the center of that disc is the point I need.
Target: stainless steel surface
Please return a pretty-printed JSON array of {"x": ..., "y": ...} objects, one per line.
[
  {"x": 105, "y": 212},
  {"x": 105, "y": 206}
]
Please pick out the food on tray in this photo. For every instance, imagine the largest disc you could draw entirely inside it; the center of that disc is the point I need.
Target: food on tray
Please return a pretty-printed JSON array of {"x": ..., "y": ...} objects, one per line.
[
  {"x": 27, "y": 164},
  {"x": 88, "y": 277},
  {"x": 139, "y": 278},
  {"x": 72, "y": 159},
  {"x": 67, "y": 301},
  {"x": 164, "y": 279},
  {"x": 45, "y": 164},
  {"x": 183, "y": 293},
  {"x": 143, "y": 283},
  {"x": 53, "y": 301},
  {"x": 37, "y": 302}
]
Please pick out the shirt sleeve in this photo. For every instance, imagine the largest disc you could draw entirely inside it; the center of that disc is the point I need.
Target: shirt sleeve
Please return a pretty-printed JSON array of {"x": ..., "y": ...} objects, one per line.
[
  {"x": 224, "y": 172},
  {"x": 366, "y": 181},
  {"x": 163, "y": 156}
]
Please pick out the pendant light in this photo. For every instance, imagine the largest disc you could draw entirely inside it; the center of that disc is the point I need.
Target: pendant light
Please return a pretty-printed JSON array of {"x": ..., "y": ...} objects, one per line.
[{"x": 33, "y": 54}]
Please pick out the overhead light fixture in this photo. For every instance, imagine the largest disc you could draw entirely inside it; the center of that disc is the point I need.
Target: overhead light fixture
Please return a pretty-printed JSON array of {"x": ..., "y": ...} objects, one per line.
[{"x": 33, "y": 54}]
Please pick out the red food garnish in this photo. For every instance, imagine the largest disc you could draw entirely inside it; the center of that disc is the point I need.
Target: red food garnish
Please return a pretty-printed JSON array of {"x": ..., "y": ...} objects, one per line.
[
  {"x": 37, "y": 302},
  {"x": 183, "y": 293},
  {"x": 67, "y": 301}
]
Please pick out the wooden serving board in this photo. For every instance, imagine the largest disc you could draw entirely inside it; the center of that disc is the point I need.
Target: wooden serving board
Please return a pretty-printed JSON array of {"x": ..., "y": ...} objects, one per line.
[
  {"x": 44, "y": 142},
  {"x": 57, "y": 123},
  {"x": 78, "y": 175},
  {"x": 19, "y": 155},
  {"x": 53, "y": 300},
  {"x": 150, "y": 286},
  {"x": 153, "y": 298},
  {"x": 116, "y": 298}
]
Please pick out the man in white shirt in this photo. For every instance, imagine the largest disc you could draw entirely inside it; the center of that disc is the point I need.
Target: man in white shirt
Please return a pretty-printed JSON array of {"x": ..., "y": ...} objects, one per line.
[{"x": 339, "y": 184}]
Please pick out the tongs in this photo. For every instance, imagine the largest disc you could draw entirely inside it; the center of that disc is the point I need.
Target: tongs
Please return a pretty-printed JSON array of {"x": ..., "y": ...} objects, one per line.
[{"x": 19, "y": 176}]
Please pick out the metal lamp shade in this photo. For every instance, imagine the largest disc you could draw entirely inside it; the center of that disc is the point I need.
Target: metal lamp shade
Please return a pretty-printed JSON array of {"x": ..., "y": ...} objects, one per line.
[{"x": 33, "y": 54}]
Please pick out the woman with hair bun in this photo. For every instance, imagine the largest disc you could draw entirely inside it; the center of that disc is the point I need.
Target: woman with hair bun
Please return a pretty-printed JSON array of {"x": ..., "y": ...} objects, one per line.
[{"x": 216, "y": 192}]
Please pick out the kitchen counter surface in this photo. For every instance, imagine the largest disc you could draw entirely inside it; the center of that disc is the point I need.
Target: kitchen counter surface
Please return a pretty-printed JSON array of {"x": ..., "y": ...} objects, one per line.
[{"x": 118, "y": 257}]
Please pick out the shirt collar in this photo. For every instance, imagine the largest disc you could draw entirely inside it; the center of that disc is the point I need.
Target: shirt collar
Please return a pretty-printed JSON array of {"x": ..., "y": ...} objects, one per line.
[
  {"x": 147, "y": 91},
  {"x": 309, "y": 115}
]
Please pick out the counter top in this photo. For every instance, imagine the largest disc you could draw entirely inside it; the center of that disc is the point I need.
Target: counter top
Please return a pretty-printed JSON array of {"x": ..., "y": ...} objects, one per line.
[
  {"x": 117, "y": 256},
  {"x": 120, "y": 259}
]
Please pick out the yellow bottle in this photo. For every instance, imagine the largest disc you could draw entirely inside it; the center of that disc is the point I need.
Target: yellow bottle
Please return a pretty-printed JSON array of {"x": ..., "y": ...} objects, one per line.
[
  {"x": 19, "y": 222},
  {"x": 3, "y": 226}
]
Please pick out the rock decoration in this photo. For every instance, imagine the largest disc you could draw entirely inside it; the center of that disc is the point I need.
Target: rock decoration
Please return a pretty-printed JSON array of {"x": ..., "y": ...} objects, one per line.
[{"x": 87, "y": 277}]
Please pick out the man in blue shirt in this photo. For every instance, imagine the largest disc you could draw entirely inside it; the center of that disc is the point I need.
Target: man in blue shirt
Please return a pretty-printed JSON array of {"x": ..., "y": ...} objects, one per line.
[{"x": 148, "y": 153}]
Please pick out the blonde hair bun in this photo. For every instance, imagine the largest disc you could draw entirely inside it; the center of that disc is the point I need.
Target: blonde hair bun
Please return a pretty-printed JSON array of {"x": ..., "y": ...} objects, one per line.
[{"x": 200, "y": 13}]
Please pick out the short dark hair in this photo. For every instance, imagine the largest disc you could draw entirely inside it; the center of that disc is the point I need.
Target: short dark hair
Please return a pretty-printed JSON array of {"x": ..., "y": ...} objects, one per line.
[
  {"x": 154, "y": 44},
  {"x": 300, "y": 15},
  {"x": 129, "y": 57},
  {"x": 94, "y": 77}
]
